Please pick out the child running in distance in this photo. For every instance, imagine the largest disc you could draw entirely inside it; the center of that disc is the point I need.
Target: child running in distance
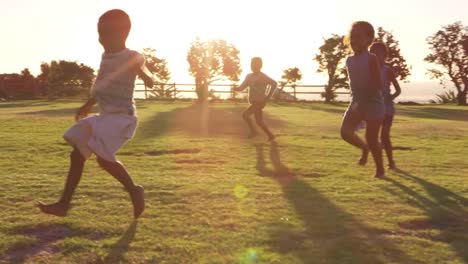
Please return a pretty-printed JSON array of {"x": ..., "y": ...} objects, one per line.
[
  {"x": 367, "y": 101},
  {"x": 104, "y": 134},
  {"x": 261, "y": 88},
  {"x": 388, "y": 78}
]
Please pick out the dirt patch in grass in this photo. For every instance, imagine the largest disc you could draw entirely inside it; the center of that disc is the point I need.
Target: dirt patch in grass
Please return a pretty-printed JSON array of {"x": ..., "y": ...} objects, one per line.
[
  {"x": 45, "y": 237},
  {"x": 403, "y": 148},
  {"x": 417, "y": 224},
  {"x": 442, "y": 223},
  {"x": 172, "y": 152},
  {"x": 199, "y": 161}
]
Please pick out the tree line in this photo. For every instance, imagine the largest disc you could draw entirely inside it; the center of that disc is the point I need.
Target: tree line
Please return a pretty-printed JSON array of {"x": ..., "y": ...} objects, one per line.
[{"x": 216, "y": 60}]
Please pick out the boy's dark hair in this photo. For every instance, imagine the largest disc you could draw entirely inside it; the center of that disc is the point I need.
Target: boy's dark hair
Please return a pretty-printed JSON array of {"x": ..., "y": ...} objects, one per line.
[
  {"x": 117, "y": 21},
  {"x": 257, "y": 61},
  {"x": 366, "y": 27},
  {"x": 379, "y": 46}
]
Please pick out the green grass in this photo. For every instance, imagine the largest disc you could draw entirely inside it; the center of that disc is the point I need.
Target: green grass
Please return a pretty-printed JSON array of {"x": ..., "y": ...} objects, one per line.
[{"x": 215, "y": 197}]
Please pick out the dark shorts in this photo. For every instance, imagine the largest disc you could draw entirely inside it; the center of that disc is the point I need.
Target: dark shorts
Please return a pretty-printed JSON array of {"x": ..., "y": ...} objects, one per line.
[
  {"x": 257, "y": 105},
  {"x": 369, "y": 112}
]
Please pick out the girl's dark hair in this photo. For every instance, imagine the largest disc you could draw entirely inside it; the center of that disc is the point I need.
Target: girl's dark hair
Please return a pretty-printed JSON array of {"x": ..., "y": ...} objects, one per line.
[
  {"x": 117, "y": 20},
  {"x": 379, "y": 46},
  {"x": 366, "y": 27}
]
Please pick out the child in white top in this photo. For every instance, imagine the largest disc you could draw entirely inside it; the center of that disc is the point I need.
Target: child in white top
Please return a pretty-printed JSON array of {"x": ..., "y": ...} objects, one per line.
[
  {"x": 261, "y": 88},
  {"x": 106, "y": 133}
]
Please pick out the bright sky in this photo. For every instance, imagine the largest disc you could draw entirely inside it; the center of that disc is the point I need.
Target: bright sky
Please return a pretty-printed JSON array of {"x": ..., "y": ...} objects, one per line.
[{"x": 286, "y": 33}]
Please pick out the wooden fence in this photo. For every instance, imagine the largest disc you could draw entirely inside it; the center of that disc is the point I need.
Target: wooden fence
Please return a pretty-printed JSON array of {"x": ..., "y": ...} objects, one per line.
[{"x": 224, "y": 91}]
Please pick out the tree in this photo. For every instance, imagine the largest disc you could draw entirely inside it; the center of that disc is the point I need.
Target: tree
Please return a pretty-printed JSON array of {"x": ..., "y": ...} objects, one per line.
[
  {"x": 160, "y": 73},
  {"x": 448, "y": 52},
  {"x": 210, "y": 61},
  {"x": 394, "y": 57},
  {"x": 291, "y": 76},
  {"x": 43, "y": 77},
  {"x": 26, "y": 74},
  {"x": 65, "y": 78},
  {"x": 331, "y": 60},
  {"x": 45, "y": 69}
]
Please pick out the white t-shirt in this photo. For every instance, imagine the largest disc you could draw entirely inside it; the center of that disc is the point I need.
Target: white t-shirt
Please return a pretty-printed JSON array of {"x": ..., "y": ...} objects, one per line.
[{"x": 115, "y": 82}]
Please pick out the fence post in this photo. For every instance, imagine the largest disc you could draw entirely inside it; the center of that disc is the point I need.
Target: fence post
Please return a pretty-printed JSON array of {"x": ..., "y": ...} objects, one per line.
[
  {"x": 233, "y": 92},
  {"x": 146, "y": 92},
  {"x": 294, "y": 87}
]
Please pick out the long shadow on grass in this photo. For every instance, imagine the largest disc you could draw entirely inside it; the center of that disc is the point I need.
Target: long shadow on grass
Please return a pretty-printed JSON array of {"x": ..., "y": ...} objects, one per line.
[
  {"x": 16, "y": 104},
  {"x": 333, "y": 108},
  {"x": 60, "y": 112},
  {"x": 429, "y": 112},
  {"x": 332, "y": 235},
  {"x": 425, "y": 112},
  {"x": 446, "y": 212},
  {"x": 118, "y": 250},
  {"x": 199, "y": 120}
]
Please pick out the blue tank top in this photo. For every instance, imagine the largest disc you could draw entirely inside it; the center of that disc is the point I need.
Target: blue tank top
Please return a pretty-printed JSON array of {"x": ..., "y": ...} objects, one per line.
[
  {"x": 386, "y": 72},
  {"x": 358, "y": 67}
]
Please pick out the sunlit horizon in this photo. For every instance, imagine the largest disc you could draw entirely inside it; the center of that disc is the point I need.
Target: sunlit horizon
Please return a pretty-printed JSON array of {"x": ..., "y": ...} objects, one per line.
[{"x": 284, "y": 33}]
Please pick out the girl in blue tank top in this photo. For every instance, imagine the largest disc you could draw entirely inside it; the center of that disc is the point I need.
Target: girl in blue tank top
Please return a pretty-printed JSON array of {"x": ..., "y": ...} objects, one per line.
[
  {"x": 366, "y": 90},
  {"x": 388, "y": 78}
]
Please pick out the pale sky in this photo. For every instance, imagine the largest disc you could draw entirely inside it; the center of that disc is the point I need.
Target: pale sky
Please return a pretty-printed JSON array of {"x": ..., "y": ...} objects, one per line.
[{"x": 286, "y": 33}]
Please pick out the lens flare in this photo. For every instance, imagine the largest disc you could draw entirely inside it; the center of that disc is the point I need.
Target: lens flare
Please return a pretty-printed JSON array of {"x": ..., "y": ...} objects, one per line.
[
  {"x": 248, "y": 257},
  {"x": 240, "y": 191}
]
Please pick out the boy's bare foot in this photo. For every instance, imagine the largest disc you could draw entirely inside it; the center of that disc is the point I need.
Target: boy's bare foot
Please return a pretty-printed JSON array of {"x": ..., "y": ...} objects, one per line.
[
  {"x": 391, "y": 165},
  {"x": 138, "y": 200},
  {"x": 364, "y": 155},
  {"x": 57, "y": 209},
  {"x": 380, "y": 175}
]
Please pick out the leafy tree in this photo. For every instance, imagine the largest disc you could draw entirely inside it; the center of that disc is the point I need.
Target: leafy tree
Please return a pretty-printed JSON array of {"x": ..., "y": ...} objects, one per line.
[
  {"x": 210, "y": 61},
  {"x": 465, "y": 44},
  {"x": 43, "y": 77},
  {"x": 394, "y": 57},
  {"x": 160, "y": 73},
  {"x": 26, "y": 74},
  {"x": 331, "y": 60},
  {"x": 448, "y": 52},
  {"x": 65, "y": 78},
  {"x": 45, "y": 69},
  {"x": 291, "y": 76}
]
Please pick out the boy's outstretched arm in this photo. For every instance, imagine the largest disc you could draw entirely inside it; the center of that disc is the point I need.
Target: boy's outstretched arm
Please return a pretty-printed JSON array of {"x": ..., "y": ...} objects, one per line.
[
  {"x": 243, "y": 85},
  {"x": 145, "y": 75},
  {"x": 396, "y": 85},
  {"x": 84, "y": 110}
]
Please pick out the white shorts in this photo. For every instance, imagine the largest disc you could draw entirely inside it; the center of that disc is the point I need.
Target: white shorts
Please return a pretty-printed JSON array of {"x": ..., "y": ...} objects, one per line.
[{"x": 102, "y": 134}]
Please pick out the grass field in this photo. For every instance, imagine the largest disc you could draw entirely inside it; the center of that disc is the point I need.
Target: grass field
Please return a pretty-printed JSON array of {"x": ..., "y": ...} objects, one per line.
[{"x": 215, "y": 197}]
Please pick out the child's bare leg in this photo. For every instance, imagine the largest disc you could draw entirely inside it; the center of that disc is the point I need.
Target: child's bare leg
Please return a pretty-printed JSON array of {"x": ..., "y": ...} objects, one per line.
[
  {"x": 259, "y": 119},
  {"x": 387, "y": 143},
  {"x": 118, "y": 171},
  {"x": 60, "y": 208},
  {"x": 372, "y": 138},
  {"x": 348, "y": 132},
  {"x": 246, "y": 116}
]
